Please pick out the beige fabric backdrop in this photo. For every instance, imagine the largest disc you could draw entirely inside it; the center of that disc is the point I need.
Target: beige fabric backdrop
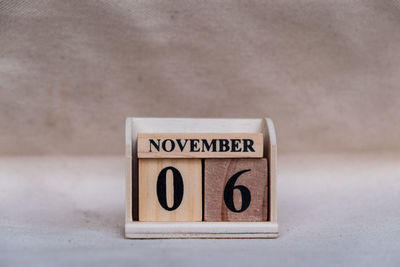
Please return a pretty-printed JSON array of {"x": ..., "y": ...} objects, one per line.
[{"x": 327, "y": 72}]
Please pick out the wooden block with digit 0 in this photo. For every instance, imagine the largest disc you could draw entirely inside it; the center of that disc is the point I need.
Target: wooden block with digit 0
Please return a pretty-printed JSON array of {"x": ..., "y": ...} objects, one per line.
[
  {"x": 170, "y": 190},
  {"x": 235, "y": 190}
]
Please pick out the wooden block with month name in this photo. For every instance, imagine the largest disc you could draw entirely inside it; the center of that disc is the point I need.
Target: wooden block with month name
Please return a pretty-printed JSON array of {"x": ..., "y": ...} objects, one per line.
[
  {"x": 200, "y": 145},
  {"x": 235, "y": 190},
  {"x": 170, "y": 190}
]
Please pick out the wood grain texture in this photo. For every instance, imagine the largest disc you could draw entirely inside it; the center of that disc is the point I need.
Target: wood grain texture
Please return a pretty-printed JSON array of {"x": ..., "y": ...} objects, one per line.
[
  {"x": 217, "y": 172},
  {"x": 150, "y": 209},
  {"x": 200, "y": 145}
]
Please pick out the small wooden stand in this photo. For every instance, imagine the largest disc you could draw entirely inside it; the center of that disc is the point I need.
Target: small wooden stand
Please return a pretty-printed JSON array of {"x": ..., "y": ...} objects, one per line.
[{"x": 158, "y": 230}]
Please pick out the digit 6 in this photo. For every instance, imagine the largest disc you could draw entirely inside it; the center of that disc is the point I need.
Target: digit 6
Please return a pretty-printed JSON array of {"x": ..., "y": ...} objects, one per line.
[{"x": 228, "y": 193}]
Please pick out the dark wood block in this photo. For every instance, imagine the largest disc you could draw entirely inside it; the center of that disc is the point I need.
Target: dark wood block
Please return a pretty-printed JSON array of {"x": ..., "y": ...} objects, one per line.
[{"x": 235, "y": 190}]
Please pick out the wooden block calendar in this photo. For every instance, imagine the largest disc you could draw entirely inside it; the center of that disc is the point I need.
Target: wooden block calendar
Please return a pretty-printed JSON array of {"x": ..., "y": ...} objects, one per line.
[{"x": 200, "y": 178}]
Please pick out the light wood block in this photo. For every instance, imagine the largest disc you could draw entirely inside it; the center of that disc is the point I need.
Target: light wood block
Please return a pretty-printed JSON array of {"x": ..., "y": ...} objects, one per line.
[
  {"x": 170, "y": 190},
  {"x": 235, "y": 190},
  {"x": 200, "y": 145}
]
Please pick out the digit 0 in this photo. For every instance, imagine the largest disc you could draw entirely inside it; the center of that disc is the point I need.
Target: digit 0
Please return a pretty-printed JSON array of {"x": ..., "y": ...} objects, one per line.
[
  {"x": 228, "y": 193},
  {"x": 162, "y": 188}
]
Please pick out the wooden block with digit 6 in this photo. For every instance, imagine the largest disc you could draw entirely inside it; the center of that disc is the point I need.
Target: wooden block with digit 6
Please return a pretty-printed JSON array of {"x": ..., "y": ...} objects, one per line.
[
  {"x": 170, "y": 190},
  {"x": 235, "y": 190}
]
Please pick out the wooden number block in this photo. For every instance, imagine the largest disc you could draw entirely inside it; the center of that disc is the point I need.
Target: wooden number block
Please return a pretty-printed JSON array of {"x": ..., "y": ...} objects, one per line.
[
  {"x": 235, "y": 190},
  {"x": 170, "y": 190}
]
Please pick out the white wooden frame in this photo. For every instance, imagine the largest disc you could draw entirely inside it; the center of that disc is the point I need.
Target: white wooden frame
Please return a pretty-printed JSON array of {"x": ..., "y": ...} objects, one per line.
[{"x": 158, "y": 230}]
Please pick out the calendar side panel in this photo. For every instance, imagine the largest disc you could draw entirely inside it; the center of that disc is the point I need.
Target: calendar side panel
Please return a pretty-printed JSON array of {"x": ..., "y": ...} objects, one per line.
[
  {"x": 270, "y": 152},
  {"x": 128, "y": 170}
]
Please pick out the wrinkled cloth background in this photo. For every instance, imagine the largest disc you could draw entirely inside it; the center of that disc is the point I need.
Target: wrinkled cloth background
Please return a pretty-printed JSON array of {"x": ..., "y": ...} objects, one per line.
[{"x": 327, "y": 73}]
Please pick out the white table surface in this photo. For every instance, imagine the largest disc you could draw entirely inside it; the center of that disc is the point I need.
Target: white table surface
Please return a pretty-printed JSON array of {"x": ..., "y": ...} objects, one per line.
[{"x": 333, "y": 209}]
